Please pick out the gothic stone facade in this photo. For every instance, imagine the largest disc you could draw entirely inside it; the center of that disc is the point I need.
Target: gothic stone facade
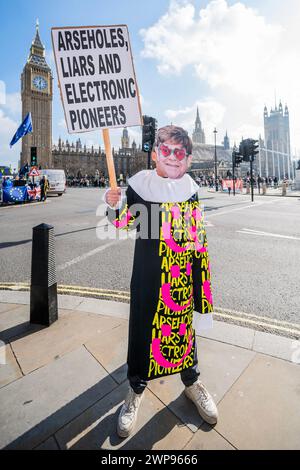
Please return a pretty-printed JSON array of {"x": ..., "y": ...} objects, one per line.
[
  {"x": 275, "y": 154},
  {"x": 36, "y": 94},
  {"x": 77, "y": 160},
  {"x": 198, "y": 133}
]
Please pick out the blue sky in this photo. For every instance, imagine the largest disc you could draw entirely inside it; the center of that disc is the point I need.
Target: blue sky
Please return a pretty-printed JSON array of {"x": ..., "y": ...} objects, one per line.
[{"x": 186, "y": 53}]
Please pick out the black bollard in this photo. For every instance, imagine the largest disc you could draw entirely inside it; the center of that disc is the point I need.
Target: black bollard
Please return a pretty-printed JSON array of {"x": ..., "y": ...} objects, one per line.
[{"x": 43, "y": 289}]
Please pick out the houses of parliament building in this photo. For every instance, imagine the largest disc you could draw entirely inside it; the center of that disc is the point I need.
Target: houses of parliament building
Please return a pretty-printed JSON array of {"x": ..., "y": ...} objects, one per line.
[{"x": 77, "y": 160}]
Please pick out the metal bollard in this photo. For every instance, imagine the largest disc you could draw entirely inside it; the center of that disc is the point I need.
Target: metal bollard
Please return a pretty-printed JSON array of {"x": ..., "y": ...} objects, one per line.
[
  {"x": 284, "y": 187},
  {"x": 43, "y": 289}
]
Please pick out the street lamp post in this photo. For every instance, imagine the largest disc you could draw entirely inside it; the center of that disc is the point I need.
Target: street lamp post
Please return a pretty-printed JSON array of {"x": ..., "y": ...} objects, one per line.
[
  {"x": 233, "y": 167},
  {"x": 216, "y": 170}
]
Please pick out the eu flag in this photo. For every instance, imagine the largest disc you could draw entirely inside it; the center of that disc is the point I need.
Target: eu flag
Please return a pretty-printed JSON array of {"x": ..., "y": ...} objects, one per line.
[
  {"x": 15, "y": 194},
  {"x": 24, "y": 128}
]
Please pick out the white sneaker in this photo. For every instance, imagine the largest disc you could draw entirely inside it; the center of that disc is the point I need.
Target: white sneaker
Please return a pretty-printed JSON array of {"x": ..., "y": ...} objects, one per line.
[
  {"x": 128, "y": 413},
  {"x": 204, "y": 402}
]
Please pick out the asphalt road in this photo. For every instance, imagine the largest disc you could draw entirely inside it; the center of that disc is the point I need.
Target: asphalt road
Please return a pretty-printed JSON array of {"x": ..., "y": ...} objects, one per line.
[{"x": 254, "y": 249}]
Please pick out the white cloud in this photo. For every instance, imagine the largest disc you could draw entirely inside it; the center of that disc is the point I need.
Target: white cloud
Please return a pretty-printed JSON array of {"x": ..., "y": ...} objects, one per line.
[
  {"x": 223, "y": 43},
  {"x": 8, "y": 128},
  {"x": 2, "y": 92},
  {"x": 243, "y": 131},
  {"x": 211, "y": 114},
  {"x": 10, "y": 119},
  {"x": 238, "y": 53},
  {"x": 13, "y": 104},
  {"x": 135, "y": 133}
]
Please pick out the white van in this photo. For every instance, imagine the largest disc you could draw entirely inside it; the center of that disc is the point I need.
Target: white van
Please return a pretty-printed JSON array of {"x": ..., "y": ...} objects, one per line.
[{"x": 56, "y": 179}]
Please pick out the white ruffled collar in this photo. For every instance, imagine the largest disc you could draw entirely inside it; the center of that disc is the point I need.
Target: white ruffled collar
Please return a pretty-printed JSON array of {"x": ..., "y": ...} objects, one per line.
[{"x": 154, "y": 188}]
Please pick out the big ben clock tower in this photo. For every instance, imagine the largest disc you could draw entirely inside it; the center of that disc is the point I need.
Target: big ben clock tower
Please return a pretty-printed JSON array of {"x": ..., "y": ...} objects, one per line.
[{"x": 36, "y": 92}]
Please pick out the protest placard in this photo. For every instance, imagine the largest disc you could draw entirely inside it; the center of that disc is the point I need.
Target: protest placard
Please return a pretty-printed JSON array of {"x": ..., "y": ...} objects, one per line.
[{"x": 97, "y": 80}]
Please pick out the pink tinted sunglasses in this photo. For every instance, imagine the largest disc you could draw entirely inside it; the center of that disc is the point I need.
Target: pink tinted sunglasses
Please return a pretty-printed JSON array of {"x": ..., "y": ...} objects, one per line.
[{"x": 166, "y": 151}]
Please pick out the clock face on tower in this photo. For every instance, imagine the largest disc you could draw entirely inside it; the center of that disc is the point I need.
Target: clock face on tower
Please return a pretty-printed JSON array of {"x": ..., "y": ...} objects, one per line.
[{"x": 39, "y": 83}]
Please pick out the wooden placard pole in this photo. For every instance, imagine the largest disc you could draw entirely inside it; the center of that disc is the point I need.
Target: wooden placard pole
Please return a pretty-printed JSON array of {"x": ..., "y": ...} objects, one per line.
[{"x": 109, "y": 160}]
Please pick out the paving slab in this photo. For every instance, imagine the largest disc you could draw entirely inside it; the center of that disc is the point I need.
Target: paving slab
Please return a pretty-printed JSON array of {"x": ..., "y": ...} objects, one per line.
[
  {"x": 15, "y": 297},
  {"x": 9, "y": 371},
  {"x": 261, "y": 411},
  {"x": 13, "y": 316},
  {"x": 34, "y": 407},
  {"x": 4, "y": 307},
  {"x": 257, "y": 394},
  {"x": 229, "y": 333},
  {"x": 277, "y": 346},
  {"x": 156, "y": 427},
  {"x": 207, "y": 438},
  {"x": 69, "y": 302},
  {"x": 71, "y": 330},
  {"x": 105, "y": 307},
  {"x": 111, "y": 351},
  {"x": 220, "y": 365},
  {"x": 16, "y": 322}
]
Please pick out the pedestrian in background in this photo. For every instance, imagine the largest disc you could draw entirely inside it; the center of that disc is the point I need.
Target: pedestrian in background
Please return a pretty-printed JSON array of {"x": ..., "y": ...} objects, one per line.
[{"x": 44, "y": 187}]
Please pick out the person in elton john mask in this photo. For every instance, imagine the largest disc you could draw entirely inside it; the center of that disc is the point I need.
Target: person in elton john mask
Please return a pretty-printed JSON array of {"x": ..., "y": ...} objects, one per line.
[{"x": 170, "y": 285}]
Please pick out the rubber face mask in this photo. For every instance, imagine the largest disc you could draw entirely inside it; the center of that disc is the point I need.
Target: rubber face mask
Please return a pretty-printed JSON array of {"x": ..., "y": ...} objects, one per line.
[{"x": 172, "y": 160}]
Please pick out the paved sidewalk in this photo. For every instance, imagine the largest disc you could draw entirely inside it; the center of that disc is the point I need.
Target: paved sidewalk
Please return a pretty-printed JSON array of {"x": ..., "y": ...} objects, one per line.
[{"x": 62, "y": 387}]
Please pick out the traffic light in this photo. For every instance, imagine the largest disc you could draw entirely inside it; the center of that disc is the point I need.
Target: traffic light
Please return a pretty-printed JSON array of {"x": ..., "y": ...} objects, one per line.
[
  {"x": 237, "y": 158},
  {"x": 33, "y": 156},
  {"x": 248, "y": 148},
  {"x": 244, "y": 150},
  {"x": 254, "y": 148},
  {"x": 149, "y": 133}
]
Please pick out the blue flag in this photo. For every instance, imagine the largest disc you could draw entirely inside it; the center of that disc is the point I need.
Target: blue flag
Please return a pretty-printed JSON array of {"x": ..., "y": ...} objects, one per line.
[
  {"x": 15, "y": 194},
  {"x": 24, "y": 128},
  {"x": 24, "y": 170}
]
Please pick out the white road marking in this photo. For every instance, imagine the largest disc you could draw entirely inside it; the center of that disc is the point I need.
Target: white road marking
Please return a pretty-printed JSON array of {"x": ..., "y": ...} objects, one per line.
[
  {"x": 240, "y": 208},
  {"x": 249, "y": 231},
  {"x": 76, "y": 260}
]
